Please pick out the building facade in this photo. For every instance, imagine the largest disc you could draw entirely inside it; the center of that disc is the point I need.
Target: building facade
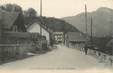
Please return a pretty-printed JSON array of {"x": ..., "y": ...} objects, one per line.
[
  {"x": 74, "y": 39},
  {"x": 58, "y": 37},
  {"x": 35, "y": 28}
]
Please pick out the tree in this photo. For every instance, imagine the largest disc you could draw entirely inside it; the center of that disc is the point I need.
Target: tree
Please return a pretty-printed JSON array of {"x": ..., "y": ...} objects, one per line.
[
  {"x": 16, "y": 9},
  {"x": 11, "y": 8},
  {"x": 30, "y": 13},
  {"x": 8, "y": 7}
]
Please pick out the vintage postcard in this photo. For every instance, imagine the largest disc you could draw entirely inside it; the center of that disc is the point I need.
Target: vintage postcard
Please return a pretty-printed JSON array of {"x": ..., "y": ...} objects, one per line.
[{"x": 67, "y": 35}]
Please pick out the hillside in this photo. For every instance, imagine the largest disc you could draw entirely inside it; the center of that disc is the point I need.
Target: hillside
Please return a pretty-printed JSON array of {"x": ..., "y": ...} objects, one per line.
[
  {"x": 102, "y": 21},
  {"x": 59, "y": 25},
  {"x": 53, "y": 24}
]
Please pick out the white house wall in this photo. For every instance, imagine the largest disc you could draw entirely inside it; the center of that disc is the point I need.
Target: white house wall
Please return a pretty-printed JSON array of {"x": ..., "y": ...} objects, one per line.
[
  {"x": 36, "y": 28},
  {"x": 45, "y": 33}
]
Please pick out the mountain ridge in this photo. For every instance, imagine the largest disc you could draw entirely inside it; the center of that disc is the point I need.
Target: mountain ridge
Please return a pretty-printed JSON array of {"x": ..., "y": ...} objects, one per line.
[{"x": 102, "y": 21}]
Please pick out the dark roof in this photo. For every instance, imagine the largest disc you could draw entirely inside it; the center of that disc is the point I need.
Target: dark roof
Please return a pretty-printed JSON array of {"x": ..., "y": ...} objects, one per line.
[
  {"x": 51, "y": 24},
  {"x": 8, "y": 18},
  {"x": 30, "y": 21},
  {"x": 75, "y": 36},
  {"x": 21, "y": 34}
]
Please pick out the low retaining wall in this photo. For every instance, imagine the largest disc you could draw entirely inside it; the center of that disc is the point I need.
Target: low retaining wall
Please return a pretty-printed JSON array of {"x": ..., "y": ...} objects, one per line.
[
  {"x": 102, "y": 57},
  {"x": 105, "y": 58}
]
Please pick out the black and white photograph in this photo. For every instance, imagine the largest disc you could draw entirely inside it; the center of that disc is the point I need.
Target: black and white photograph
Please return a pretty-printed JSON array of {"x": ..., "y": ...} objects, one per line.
[{"x": 56, "y": 34}]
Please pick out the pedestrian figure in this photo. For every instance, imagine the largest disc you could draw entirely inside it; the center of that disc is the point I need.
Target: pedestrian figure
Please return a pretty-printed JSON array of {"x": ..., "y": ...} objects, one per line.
[
  {"x": 85, "y": 49},
  {"x": 82, "y": 49},
  {"x": 111, "y": 60}
]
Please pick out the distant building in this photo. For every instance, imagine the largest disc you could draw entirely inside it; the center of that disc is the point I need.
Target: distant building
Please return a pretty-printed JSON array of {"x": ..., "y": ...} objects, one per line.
[
  {"x": 59, "y": 37},
  {"x": 73, "y": 38},
  {"x": 55, "y": 27}
]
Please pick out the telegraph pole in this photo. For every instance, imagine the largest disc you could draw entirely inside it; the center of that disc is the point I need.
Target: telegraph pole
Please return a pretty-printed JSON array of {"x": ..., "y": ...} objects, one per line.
[
  {"x": 41, "y": 20},
  {"x": 110, "y": 27},
  {"x": 86, "y": 25},
  {"x": 41, "y": 16},
  {"x": 91, "y": 30},
  {"x": 86, "y": 18}
]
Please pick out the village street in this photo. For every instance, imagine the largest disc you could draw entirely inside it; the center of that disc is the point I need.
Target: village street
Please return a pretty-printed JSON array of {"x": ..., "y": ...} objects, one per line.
[{"x": 60, "y": 58}]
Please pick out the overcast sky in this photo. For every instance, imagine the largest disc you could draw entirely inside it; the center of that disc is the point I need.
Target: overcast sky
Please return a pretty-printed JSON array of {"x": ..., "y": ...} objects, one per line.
[{"x": 61, "y": 8}]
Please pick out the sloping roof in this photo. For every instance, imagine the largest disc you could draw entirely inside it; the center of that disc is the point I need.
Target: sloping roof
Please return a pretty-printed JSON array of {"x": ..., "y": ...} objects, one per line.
[
  {"x": 34, "y": 28},
  {"x": 30, "y": 21},
  {"x": 75, "y": 36},
  {"x": 110, "y": 43},
  {"x": 8, "y": 18}
]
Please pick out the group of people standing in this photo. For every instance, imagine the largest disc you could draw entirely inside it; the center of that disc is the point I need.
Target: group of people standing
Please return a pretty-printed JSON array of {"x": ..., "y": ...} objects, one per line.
[{"x": 85, "y": 49}]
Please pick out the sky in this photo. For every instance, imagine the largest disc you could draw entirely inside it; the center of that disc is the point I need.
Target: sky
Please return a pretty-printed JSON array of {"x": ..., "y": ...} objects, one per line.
[{"x": 61, "y": 8}]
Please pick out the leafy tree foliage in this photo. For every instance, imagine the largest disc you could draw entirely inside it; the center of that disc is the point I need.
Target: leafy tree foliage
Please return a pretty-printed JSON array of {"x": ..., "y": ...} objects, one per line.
[
  {"x": 30, "y": 13},
  {"x": 11, "y": 8},
  {"x": 17, "y": 9}
]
